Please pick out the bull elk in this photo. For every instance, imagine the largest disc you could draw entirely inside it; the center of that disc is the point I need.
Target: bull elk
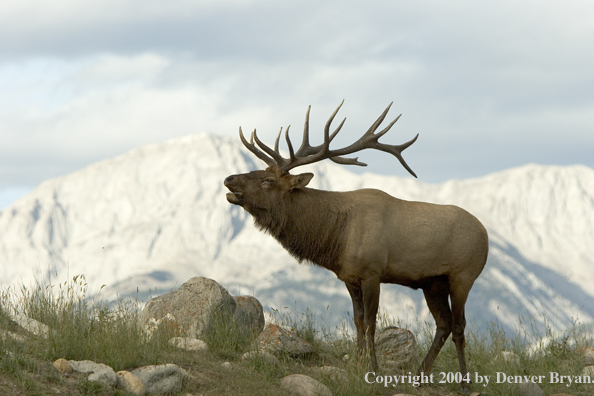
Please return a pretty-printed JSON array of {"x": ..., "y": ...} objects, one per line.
[{"x": 367, "y": 237}]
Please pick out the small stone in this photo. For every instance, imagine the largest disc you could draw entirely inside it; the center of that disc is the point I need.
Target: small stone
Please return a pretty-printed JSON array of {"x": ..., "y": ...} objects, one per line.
[
  {"x": 63, "y": 366},
  {"x": 163, "y": 378},
  {"x": 99, "y": 372},
  {"x": 304, "y": 385},
  {"x": 130, "y": 383},
  {"x": 226, "y": 365},
  {"x": 188, "y": 343},
  {"x": 276, "y": 339}
]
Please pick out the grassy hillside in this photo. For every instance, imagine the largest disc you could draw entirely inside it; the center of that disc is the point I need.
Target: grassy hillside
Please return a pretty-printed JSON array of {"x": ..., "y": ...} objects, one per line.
[{"x": 82, "y": 329}]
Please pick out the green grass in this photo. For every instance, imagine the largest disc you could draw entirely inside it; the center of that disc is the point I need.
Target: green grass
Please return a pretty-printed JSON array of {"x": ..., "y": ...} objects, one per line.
[{"x": 83, "y": 329}]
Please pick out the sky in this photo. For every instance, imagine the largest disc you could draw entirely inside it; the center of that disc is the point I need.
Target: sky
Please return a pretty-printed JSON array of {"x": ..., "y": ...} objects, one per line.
[{"x": 488, "y": 85}]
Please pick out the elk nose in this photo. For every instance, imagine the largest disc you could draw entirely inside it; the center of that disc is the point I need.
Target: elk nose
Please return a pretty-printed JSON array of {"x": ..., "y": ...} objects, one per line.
[{"x": 228, "y": 180}]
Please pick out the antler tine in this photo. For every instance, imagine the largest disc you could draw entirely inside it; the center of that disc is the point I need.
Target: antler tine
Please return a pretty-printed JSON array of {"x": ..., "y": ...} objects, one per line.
[
  {"x": 305, "y": 141},
  {"x": 289, "y": 145},
  {"x": 308, "y": 154},
  {"x": 277, "y": 140},
  {"x": 379, "y": 120},
  {"x": 254, "y": 149},
  {"x": 327, "y": 138},
  {"x": 275, "y": 156},
  {"x": 397, "y": 150}
]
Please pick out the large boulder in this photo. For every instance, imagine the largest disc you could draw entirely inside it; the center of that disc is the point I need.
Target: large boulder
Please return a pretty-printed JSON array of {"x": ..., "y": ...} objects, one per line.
[
  {"x": 250, "y": 313},
  {"x": 193, "y": 306},
  {"x": 397, "y": 346}
]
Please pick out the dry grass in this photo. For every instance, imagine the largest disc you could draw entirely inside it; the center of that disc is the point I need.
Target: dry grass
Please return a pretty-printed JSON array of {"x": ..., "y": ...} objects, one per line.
[{"x": 85, "y": 329}]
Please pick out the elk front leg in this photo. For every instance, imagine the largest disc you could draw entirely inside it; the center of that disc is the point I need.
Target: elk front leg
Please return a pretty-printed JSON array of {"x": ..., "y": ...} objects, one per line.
[
  {"x": 371, "y": 292},
  {"x": 358, "y": 315}
]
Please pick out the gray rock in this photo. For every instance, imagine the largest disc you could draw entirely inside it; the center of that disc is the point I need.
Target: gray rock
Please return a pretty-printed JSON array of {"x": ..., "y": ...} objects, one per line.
[
  {"x": 396, "y": 346},
  {"x": 164, "y": 378},
  {"x": 32, "y": 325},
  {"x": 250, "y": 313},
  {"x": 192, "y": 305},
  {"x": 276, "y": 339},
  {"x": 304, "y": 385},
  {"x": 99, "y": 372},
  {"x": 153, "y": 324},
  {"x": 189, "y": 344}
]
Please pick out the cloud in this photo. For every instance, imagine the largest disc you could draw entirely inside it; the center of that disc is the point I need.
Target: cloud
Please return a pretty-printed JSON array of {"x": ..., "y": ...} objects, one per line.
[{"x": 487, "y": 85}]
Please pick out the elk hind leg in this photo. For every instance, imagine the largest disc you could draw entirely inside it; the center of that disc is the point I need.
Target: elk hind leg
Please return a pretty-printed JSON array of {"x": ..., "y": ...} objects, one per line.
[
  {"x": 459, "y": 294},
  {"x": 436, "y": 295}
]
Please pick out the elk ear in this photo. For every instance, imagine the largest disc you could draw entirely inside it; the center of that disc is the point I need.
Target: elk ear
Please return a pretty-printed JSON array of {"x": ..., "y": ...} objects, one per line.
[{"x": 300, "y": 181}]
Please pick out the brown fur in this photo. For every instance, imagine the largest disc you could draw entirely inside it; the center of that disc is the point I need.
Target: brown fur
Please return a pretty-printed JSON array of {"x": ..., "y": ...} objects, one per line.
[{"x": 367, "y": 237}]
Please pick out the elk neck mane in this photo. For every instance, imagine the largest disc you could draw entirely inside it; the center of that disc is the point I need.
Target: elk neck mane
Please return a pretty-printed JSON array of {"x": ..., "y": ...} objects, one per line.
[{"x": 308, "y": 224}]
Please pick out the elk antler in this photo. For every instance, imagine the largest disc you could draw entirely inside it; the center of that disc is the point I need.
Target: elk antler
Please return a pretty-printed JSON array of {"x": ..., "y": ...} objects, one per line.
[{"x": 307, "y": 154}]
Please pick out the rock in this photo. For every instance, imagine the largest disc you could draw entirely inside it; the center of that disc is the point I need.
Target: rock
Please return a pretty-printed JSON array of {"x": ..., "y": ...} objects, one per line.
[
  {"x": 588, "y": 370},
  {"x": 164, "y": 378},
  {"x": 396, "y": 345},
  {"x": 509, "y": 357},
  {"x": 304, "y": 385},
  {"x": 588, "y": 354},
  {"x": 130, "y": 383},
  {"x": 63, "y": 366},
  {"x": 189, "y": 344},
  {"x": 530, "y": 389},
  {"x": 250, "y": 313},
  {"x": 276, "y": 339},
  {"x": 262, "y": 355},
  {"x": 99, "y": 372},
  {"x": 192, "y": 305},
  {"x": 226, "y": 365},
  {"x": 153, "y": 324},
  {"x": 32, "y": 326}
]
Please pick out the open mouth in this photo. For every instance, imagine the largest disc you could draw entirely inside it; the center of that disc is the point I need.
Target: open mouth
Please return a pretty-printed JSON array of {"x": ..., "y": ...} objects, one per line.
[{"x": 234, "y": 196}]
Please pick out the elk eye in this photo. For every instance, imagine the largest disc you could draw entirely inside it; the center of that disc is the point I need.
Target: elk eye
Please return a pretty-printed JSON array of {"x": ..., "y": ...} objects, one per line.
[{"x": 268, "y": 181}]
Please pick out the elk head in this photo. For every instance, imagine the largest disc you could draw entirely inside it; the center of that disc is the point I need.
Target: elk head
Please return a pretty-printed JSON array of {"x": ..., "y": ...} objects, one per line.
[{"x": 251, "y": 190}]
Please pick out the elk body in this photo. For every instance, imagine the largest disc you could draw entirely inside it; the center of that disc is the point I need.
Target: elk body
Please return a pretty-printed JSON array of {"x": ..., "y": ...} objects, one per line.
[{"x": 367, "y": 237}]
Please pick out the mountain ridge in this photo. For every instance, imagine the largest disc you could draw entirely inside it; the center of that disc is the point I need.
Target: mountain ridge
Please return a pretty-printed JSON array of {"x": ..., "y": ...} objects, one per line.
[{"x": 157, "y": 215}]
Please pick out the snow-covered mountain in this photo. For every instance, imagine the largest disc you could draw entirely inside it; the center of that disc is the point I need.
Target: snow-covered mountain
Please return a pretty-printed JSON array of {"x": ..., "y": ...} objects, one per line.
[{"x": 156, "y": 216}]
